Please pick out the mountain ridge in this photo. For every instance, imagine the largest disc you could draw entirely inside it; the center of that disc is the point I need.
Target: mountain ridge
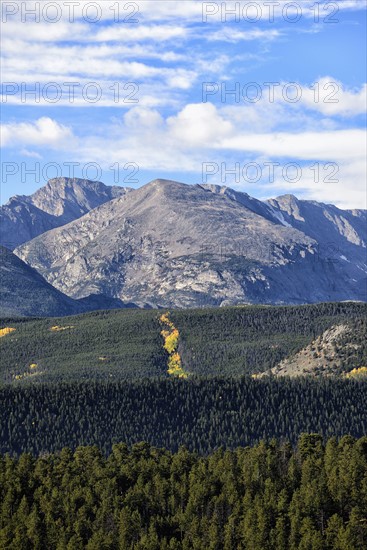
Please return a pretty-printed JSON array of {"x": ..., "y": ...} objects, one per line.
[
  {"x": 169, "y": 244},
  {"x": 60, "y": 201}
]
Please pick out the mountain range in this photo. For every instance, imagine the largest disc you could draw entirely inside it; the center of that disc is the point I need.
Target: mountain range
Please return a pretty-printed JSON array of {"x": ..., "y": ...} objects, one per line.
[{"x": 168, "y": 244}]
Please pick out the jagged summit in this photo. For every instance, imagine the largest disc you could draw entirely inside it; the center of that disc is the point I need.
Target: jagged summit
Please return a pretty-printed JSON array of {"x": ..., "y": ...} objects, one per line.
[{"x": 59, "y": 202}]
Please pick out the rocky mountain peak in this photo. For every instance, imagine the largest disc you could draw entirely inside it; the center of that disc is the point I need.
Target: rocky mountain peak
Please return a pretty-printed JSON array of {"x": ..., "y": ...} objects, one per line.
[
  {"x": 165, "y": 186},
  {"x": 57, "y": 203},
  {"x": 288, "y": 204}
]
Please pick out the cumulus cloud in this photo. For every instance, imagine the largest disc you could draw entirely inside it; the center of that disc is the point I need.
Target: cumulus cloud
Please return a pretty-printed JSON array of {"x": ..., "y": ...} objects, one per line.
[
  {"x": 44, "y": 132},
  {"x": 200, "y": 133},
  {"x": 199, "y": 125},
  {"x": 330, "y": 187}
]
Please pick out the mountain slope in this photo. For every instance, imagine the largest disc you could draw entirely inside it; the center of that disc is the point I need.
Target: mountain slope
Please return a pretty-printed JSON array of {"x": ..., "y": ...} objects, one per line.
[
  {"x": 170, "y": 244},
  {"x": 166, "y": 243},
  {"x": 255, "y": 205},
  {"x": 327, "y": 354},
  {"x": 24, "y": 292},
  {"x": 60, "y": 201},
  {"x": 338, "y": 232}
]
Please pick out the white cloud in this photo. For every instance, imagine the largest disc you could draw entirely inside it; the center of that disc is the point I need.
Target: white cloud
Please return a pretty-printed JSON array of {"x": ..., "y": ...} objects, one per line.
[
  {"x": 173, "y": 11},
  {"x": 333, "y": 146},
  {"x": 281, "y": 100},
  {"x": 203, "y": 133},
  {"x": 101, "y": 63},
  {"x": 82, "y": 32},
  {"x": 331, "y": 98},
  {"x": 159, "y": 33},
  {"x": 143, "y": 118},
  {"x": 228, "y": 34},
  {"x": 199, "y": 125},
  {"x": 44, "y": 132},
  {"x": 156, "y": 54},
  {"x": 330, "y": 189},
  {"x": 30, "y": 154}
]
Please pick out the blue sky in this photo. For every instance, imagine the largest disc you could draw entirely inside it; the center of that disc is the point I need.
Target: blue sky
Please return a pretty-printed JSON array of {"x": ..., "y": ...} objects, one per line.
[{"x": 305, "y": 134}]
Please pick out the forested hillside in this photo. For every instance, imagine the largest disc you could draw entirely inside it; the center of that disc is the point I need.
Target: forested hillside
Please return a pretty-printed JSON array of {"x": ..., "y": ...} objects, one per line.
[
  {"x": 202, "y": 414},
  {"x": 269, "y": 497},
  {"x": 128, "y": 344},
  {"x": 247, "y": 340},
  {"x": 112, "y": 379}
]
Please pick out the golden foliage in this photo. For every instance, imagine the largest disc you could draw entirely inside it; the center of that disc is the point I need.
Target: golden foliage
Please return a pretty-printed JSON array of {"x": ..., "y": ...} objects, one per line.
[
  {"x": 174, "y": 361},
  {"x": 5, "y": 331},
  {"x": 32, "y": 371},
  {"x": 26, "y": 375},
  {"x": 175, "y": 366},
  {"x": 171, "y": 341},
  {"x": 361, "y": 371},
  {"x": 57, "y": 328},
  {"x": 171, "y": 338},
  {"x": 166, "y": 320}
]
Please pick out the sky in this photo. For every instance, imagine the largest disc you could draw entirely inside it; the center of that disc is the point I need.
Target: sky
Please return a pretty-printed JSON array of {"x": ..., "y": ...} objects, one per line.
[{"x": 265, "y": 97}]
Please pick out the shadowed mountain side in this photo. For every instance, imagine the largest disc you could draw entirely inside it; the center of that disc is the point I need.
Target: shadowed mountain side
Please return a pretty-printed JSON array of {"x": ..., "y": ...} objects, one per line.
[{"x": 24, "y": 292}]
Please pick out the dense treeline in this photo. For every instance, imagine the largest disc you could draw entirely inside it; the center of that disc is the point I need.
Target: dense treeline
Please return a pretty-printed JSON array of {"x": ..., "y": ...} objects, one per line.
[
  {"x": 101, "y": 345},
  {"x": 269, "y": 497},
  {"x": 202, "y": 414},
  {"x": 127, "y": 344}
]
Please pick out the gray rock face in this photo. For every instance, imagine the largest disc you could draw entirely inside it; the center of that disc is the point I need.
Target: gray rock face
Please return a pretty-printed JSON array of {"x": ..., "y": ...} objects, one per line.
[
  {"x": 324, "y": 222},
  {"x": 175, "y": 245},
  {"x": 60, "y": 201},
  {"x": 341, "y": 234},
  {"x": 256, "y": 206}
]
